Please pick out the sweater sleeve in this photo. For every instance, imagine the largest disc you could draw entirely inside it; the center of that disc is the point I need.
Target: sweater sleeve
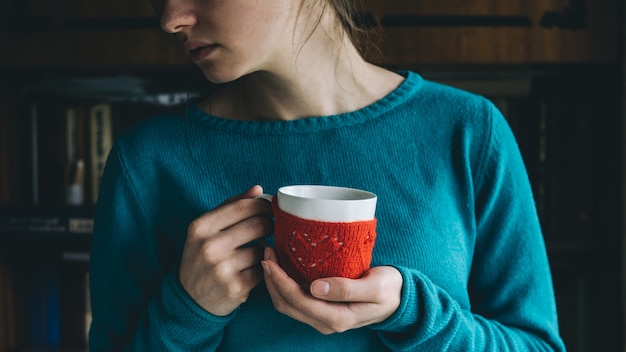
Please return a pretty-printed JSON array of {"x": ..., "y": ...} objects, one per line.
[
  {"x": 510, "y": 285},
  {"x": 137, "y": 301}
]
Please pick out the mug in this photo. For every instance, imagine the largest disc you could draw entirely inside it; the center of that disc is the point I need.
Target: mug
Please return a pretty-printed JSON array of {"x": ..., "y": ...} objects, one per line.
[{"x": 323, "y": 231}]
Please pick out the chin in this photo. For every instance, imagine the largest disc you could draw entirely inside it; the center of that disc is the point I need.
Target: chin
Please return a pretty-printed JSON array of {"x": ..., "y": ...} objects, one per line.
[{"x": 218, "y": 76}]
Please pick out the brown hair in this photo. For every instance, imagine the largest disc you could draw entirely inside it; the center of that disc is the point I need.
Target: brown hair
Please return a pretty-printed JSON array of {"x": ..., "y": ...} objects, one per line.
[{"x": 360, "y": 26}]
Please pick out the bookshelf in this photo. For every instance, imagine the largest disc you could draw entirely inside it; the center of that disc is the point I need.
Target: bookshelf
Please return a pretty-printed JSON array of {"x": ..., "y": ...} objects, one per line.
[
  {"x": 555, "y": 68},
  {"x": 44, "y": 238},
  {"x": 623, "y": 173}
]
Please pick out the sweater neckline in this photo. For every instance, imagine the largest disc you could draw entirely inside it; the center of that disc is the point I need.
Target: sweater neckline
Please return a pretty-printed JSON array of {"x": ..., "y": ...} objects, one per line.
[{"x": 310, "y": 124}]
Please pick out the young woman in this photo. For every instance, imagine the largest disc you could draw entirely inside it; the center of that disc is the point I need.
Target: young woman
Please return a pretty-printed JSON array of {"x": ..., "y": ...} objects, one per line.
[{"x": 459, "y": 263}]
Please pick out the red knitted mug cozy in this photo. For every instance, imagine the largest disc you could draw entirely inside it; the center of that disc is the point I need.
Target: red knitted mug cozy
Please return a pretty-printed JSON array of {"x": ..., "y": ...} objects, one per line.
[{"x": 308, "y": 250}]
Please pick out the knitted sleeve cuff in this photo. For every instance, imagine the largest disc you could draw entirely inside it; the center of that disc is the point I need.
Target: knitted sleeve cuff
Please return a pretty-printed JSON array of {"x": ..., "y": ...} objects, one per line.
[
  {"x": 407, "y": 313},
  {"x": 184, "y": 315}
]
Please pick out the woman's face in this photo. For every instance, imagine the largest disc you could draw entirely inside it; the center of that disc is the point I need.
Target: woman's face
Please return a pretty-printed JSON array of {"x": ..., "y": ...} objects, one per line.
[{"x": 231, "y": 38}]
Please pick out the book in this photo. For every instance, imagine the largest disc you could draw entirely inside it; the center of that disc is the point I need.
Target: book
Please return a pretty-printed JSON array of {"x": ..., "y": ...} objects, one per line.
[
  {"x": 4, "y": 148},
  {"x": 74, "y": 303},
  {"x": 100, "y": 144},
  {"x": 8, "y": 322},
  {"x": 14, "y": 131},
  {"x": 570, "y": 169},
  {"x": 572, "y": 296},
  {"x": 43, "y": 310},
  {"x": 49, "y": 153},
  {"x": 582, "y": 177},
  {"x": 542, "y": 158},
  {"x": 87, "y": 310},
  {"x": 75, "y": 154},
  {"x": 554, "y": 160}
]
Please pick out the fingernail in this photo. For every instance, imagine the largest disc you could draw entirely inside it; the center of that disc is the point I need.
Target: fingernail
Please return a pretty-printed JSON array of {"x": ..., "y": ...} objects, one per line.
[
  {"x": 266, "y": 253},
  {"x": 266, "y": 268},
  {"x": 320, "y": 288}
]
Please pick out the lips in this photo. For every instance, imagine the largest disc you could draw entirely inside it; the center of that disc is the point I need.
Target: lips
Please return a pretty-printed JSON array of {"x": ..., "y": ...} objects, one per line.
[
  {"x": 199, "y": 51},
  {"x": 202, "y": 52}
]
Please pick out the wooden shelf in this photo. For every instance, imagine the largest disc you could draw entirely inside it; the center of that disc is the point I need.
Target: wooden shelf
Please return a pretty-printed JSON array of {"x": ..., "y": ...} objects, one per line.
[
  {"x": 53, "y": 229},
  {"x": 94, "y": 48},
  {"x": 496, "y": 32},
  {"x": 114, "y": 33}
]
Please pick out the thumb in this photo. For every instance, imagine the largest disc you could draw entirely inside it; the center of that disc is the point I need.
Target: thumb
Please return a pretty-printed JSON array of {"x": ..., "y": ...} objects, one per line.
[
  {"x": 337, "y": 289},
  {"x": 252, "y": 192},
  {"x": 370, "y": 287}
]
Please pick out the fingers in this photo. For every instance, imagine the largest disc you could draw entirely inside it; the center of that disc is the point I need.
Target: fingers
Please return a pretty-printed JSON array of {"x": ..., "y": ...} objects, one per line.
[
  {"x": 244, "y": 259},
  {"x": 370, "y": 288},
  {"x": 231, "y": 213},
  {"x": 252, "y": 192},
  {"x": 242, "y": 233},
  {"x": 288, "y": 296},
  {"x": 277, "y": 276},
  {"x": 335, "y": 304},
  {"x": 233, "y": 219},
  {"x": 220, "y": 263}
]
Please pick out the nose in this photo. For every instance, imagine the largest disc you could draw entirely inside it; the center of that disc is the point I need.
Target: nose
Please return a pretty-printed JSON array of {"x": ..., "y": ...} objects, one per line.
[{"x": 176, "y": 16}]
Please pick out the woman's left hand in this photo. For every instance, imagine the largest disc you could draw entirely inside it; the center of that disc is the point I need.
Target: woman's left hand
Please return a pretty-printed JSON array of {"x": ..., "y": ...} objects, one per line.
[{"x": 335, "y": 304}]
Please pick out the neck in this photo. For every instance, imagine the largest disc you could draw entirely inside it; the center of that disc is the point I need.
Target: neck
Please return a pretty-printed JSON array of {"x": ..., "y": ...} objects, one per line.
[
  {"x": 327, "y": 90},
  {"x": 314, "y": 84}
]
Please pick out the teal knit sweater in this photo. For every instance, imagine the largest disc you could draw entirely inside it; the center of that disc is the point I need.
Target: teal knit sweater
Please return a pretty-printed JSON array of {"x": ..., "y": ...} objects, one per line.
[{"x": 455, "y": 213}]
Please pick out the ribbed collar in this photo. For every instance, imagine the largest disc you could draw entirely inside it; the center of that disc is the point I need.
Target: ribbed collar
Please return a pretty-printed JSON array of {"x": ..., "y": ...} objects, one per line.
[{"x": 411, "y": 83}]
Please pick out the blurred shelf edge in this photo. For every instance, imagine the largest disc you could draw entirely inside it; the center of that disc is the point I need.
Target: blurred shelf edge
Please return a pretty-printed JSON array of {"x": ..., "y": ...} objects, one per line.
[
  {"x": 63, "y": 229},
  {"x": 98, "y": 47},
  {"x": 69, "y": 230},
  {"x": 93, "y": 48}
]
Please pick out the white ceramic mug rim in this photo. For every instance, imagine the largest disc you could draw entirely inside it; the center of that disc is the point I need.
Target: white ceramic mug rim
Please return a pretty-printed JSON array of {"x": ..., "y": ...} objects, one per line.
[
  {"x": 355, "y": 205},
  {"x": 360, "y": 195}
]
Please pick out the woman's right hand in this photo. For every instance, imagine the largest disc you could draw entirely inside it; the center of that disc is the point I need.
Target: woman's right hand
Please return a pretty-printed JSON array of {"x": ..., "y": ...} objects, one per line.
[{"x": 218, "y": 270}]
